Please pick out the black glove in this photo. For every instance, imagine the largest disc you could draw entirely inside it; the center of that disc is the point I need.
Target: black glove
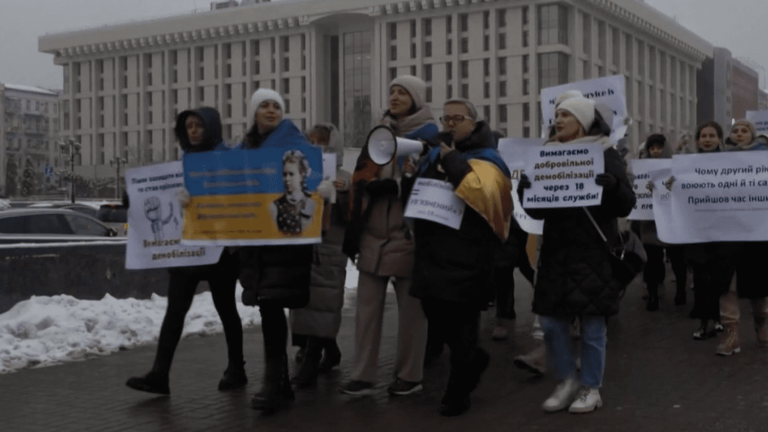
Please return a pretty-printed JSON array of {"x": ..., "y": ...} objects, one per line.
[
  {"x": 378, "y": 188},
  {"x": 607, "y": 181},
  {"x": 522, "y": 185}
]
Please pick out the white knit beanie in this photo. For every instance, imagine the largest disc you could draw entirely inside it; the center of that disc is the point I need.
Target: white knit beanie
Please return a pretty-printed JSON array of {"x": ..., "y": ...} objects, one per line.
[
  {"x": 581, "y": 108},
  {"x": 414, "y": 86},
  {"x": 261, "y": 95},
  {"x": 567, "y": 95}
]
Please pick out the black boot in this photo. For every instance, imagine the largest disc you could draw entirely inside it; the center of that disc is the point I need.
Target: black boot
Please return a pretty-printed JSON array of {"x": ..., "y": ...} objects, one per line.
[
  {"x": 273, "y": 395},
  {"x": 307, "y": 375},
  {"x": 234, "y": 377},
  {"x": 653, "y": 298},
  {"x": 456, "y": 398},
  {"x": 153, "y": 382},
  {"x": 331, "y": 355}
]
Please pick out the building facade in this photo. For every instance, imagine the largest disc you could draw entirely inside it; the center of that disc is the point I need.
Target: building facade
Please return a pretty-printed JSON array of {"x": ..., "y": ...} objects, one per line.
[
  {"x": 727, "y": 88},
  {"x": 28, "y": 133},
  {"x": 333, "y": 59}
]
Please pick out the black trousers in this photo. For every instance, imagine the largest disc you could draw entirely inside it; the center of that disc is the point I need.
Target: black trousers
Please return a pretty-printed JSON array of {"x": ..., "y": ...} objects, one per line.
[
  {"x": 457, "y": 325},
  {"x": 710, "y": 281},
  {"x": 181, "y": 292},
  {"x": 504, "y": 282},
  {"x": 656, "y": 270}
]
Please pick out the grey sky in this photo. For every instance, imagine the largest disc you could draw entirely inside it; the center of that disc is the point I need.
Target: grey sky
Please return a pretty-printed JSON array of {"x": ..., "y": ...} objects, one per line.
[{"x": 739, "y": 25}]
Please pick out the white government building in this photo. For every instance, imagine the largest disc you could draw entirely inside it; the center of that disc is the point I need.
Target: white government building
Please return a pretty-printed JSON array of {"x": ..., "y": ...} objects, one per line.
[{"x": 333, "y": 59}]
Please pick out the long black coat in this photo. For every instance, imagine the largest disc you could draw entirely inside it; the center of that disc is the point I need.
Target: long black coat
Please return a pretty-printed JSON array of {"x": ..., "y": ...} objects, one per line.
[
  {"x": 574, "y": 275},
  {"x": 456, "y": 265}
]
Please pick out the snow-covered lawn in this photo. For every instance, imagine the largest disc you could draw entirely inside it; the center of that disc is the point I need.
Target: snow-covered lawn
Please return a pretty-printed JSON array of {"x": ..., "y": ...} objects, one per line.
[{"x": 44, "y": 331}]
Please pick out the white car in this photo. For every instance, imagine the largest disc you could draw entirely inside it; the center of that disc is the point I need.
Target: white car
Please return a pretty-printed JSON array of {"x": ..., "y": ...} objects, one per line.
[{"x": 44, "y": 225}]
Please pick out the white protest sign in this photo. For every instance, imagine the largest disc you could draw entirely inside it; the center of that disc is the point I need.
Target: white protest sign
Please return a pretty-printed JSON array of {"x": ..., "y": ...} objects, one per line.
[
  {"x": 156, "y": 221},
  {"x": 716, "y": 197},
  {"x": 514, "y": 151},
  {"x": 435, "y": 200},
  {"x": 668, "y": 230},
  {"x": 641, "y": 169},
  {"x": 760, "y": 120},
  {"x": 329, "y": 166},
  {"x": 563, "y": 175},
  {"x": 609, "y": 91}
]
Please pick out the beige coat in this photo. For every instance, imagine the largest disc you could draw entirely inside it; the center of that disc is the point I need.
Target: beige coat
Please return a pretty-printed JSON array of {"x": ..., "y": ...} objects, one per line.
[{"x": 386, "y": 243}]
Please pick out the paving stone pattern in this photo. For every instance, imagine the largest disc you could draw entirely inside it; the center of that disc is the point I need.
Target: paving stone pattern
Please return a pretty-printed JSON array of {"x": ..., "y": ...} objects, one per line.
[{"x": 657, "y": 379}]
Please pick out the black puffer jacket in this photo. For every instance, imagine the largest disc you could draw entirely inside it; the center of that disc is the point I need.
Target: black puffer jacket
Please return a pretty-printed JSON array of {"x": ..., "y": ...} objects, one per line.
[
  {"x": 456, "y": 265},
  {"x": 574, "y": 275},
  {"x": 275, "y": 276}
]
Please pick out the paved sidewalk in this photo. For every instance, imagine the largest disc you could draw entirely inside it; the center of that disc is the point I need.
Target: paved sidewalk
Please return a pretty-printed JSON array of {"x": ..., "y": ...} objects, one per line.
[{"x": 657, "y": 379}]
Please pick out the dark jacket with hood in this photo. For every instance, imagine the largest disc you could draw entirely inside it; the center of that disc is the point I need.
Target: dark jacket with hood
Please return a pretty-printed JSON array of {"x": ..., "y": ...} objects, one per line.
[
  {"x": 212, "y": 141},
  {"x": 457, "y": 265},
  {"x": 275, "y": 275},
  {"x": 575, "y": 275}
]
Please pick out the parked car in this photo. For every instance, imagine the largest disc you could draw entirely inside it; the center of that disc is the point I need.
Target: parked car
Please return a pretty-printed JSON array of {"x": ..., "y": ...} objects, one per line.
[
  {"x": 90, "y": 210},
  {"x": 114, "y": 216},
  {"x": 46, "y": 225}
]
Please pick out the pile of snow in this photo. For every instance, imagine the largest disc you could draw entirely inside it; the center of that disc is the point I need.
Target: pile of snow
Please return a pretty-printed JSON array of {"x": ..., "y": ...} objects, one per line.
[
  {"x": 4, "y": 204},
  {"x": 45, "y": 331}
]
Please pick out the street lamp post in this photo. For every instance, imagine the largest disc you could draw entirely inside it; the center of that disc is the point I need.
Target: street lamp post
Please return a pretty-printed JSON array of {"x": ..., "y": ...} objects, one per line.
[
  {"x": 117, "y": 162},
  {"x": 70, "y": 149}
]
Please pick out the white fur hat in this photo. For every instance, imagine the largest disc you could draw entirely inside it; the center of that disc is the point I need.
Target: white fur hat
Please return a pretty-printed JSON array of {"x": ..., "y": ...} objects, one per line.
[
  {"x": 581, "y": 108},
  {"x": 261, "y": 95}
]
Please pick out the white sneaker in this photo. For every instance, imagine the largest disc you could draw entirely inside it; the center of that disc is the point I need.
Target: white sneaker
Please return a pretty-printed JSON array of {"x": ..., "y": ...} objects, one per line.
[
  {"x": 587, "y": 400},
  {"x": 562, "y": 396}
]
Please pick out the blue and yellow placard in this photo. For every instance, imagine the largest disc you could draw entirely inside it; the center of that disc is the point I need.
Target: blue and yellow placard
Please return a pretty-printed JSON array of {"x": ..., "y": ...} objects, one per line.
[{"x": 265, "y": 196}]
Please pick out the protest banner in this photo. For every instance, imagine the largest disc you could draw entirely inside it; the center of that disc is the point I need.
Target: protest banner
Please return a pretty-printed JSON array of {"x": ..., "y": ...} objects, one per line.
[
  {"x": 265, "y": 196},
  {"x": 609, "y": 91},
  {"x": 155, "y": 220},
  {"x": 436, "y": 201},
  {"x": 641, "y": 169},
  {"x": 760, "y": 120},
  {"x": 514, "y": 152},
  {"x": 563, "y": 175},
  {"x": 663, "y": 209},
  {"x": 714, "y": 197},
  {"x": 329, "y": 166}
]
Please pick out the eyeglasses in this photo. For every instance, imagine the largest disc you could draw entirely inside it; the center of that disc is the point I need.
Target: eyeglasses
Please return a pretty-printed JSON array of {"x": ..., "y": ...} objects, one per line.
[{"x": 454, "y": 119}]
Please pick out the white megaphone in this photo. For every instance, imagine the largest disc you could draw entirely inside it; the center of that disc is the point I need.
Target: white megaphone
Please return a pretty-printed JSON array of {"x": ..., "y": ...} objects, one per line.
[{"x": 384, "y": 145}]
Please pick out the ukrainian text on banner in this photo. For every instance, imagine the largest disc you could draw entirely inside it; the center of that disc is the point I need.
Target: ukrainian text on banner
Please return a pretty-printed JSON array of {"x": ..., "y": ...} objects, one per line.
[
  {"x": 563, "y": 175},
  {"x": 155, "y": 220},
  {"x": 436, "y": 201},
  {"x": 514, "y": 151},
  {"x": 760, "y": 120},
  {"x": 641, "y": 169},
  {"x": 264, "y": 196},
  {"x": 608, "y": 91},
  {"x": 716, "y": 197}
]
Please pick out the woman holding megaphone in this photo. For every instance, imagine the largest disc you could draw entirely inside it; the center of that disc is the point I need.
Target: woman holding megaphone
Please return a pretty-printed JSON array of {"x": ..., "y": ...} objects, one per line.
[{"x": 381, "y": 242}]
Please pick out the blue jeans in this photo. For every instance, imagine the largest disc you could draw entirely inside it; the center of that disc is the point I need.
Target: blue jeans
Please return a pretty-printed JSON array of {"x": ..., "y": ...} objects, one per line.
[{"x": 557, "y": 336}]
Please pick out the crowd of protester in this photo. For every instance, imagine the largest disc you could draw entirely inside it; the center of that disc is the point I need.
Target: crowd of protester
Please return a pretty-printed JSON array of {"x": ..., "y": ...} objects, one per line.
[{"x": 445, "y": 277}]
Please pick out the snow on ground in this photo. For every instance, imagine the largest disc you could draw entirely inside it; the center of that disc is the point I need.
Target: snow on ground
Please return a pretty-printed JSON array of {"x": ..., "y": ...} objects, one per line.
[{"x": 45, "y": 331}]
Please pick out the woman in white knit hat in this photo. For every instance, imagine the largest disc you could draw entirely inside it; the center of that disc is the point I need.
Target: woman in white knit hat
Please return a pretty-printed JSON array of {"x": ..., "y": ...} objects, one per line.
[
  {"x": 274, "y": 277},
  {"x": 381, "y": 241},
  {"x": 574, "y": 274}
]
